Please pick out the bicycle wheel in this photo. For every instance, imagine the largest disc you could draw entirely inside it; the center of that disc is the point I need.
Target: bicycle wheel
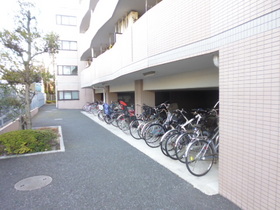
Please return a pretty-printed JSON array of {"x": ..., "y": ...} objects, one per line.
[
  {"x": 144, "y": 128},
  {"x": 134, "y": 128},
  {"x": 85, "y": 107},
  {"x": 164, "y": 138},
  {"x": 100, "y": 115},
  {"x": 114, "y": 119},
  {"x": 153, "y": 135},
  {"x": 120, "y": 120},
  {"x": 108, "y": 119},
  {"x": 170, "y": 146},
  {"x": 199, "y": 157},
  {"x": 125, "y": 125},
  {"x": 94, "y": 110},
  {"x": 180, "y": 147}
]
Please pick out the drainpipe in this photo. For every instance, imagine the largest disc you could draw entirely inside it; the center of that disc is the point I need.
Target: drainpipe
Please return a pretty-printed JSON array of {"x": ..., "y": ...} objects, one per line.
[{"x": 146, "y": 5}]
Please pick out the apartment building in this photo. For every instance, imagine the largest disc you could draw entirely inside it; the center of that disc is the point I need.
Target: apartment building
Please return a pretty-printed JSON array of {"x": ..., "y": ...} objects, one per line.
[
  {"x": 66, "y": 64},
  {"x": 195, "y": 53}
]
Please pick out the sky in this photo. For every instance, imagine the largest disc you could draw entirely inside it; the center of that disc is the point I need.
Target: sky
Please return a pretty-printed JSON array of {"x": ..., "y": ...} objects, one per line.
[
  {"x": 45, "y": 8},
  {"x": 9, "y": 9}
]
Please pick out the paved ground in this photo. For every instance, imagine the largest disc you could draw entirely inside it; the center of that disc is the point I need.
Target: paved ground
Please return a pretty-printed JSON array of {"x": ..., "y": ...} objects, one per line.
[{"x": 98, "y": 170}]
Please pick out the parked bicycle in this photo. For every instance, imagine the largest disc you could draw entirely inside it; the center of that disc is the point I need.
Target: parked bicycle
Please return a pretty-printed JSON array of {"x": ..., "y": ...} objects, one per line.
[
  {"x": 146, "y": 115},
  {"x": 202, "y": 153},
  {"x": 126, "y": 117}
]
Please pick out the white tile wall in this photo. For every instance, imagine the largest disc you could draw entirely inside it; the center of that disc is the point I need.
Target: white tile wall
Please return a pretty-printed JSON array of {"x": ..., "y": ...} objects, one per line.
[{"x": 250, "y": 121}]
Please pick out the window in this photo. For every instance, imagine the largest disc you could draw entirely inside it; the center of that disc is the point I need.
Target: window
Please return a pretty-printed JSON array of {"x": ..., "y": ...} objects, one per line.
[
  {"x": 66, "y": 20},
  {"x": 67, "y": 70},
  {"x": 67, "y": 45},
  {"x": 68, "y": 95}
]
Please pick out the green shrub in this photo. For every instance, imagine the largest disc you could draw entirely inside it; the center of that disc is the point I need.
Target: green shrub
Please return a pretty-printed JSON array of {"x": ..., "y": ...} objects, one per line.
[{"x": 26, "y": 141}]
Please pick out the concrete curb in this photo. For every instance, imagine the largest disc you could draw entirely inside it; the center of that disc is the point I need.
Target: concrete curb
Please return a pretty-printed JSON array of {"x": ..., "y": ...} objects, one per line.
[{"x": 62, "y": 148}]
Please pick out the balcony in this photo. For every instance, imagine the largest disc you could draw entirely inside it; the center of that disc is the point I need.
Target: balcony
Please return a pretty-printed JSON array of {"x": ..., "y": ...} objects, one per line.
[
  {"x": 106, "y": 23},
  {"x": 149, "y": 42}
]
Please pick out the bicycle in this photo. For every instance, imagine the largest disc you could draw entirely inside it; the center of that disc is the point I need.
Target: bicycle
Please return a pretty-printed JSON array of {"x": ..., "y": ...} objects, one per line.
[
  {"x": 189, "y": 129},
  {"x": 124, "y": 119},
  {"x": 136, "y": 124},
  {"x": 201, "y": 154},
  {"x": 183, "y": 124},
  {"x": 153, "y": 133},
  {"x": 112, "y": 112},
  {"x": 205, "y": 125},
  {"x": 159, "y": 116}
]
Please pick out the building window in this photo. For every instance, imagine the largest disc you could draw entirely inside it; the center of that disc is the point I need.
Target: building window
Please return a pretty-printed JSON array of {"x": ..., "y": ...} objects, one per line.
[
  {"x": 66, "y": 20},
  {"x": 68, "y": 95},
  {"x": 67, "y": 70},
  {"x": 67, "y": 45}
]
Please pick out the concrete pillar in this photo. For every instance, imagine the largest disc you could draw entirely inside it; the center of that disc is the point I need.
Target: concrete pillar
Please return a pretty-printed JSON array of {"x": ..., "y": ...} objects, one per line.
[
  {"x": 142, "y": 97},
  {"x": 97, "y": 94},
  {"x": 109, "y": 96}
]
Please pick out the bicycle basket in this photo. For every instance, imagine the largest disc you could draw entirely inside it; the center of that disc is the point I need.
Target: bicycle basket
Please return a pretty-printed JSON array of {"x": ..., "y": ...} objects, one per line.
[
  {"x": 210, "y": 122},
  {"x": 172, "y": 107}
]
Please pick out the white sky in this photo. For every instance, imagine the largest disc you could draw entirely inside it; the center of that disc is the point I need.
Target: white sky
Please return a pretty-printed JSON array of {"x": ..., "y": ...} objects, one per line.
[
  {"x": 9, "y": 9},
  {"x": 46, "y": 8}
]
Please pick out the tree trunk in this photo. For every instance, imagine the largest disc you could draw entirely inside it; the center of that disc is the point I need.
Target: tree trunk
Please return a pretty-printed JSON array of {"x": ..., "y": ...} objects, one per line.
[{"x": 28, "y": 119}]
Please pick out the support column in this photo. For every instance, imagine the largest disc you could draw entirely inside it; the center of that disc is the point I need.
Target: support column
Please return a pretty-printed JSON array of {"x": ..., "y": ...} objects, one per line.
[
  {"x": 97, "y": 94},
  {"x": 142, "y": 97},
  {"x": 109, "y": 96}
]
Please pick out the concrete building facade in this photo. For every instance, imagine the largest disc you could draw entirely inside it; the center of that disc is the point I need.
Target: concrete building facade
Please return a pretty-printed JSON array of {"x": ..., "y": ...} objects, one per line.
[
  {"x": 66, "y": 64},
  {"x": 193, "y": 51}
]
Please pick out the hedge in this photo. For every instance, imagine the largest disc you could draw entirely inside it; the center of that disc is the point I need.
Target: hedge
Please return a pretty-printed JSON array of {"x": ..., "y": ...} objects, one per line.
[{"x": 27, "y": 141}]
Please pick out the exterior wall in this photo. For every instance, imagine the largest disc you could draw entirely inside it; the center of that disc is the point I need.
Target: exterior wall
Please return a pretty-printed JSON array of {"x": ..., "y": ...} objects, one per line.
[
  {"x": 247, "y": 36},
  {"x": 194, "y": 79},
  {"x": 102, "y": 13},
  {"x": 123, "y": 87},
  {"x": 150, "y": 42},
  {"x": 70, "y": 57},
  {"x": 249, "y": 122}
]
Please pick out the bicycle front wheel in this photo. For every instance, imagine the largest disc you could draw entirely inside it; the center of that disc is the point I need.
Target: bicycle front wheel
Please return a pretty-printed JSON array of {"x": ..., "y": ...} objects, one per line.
[
  {"x": 199, "y": 157},
  {"x": 164, "y": 139},
  {"x": 153, "y": 135},
  {"x": 100, "y": 115},
  {"x": 170, "y": 146},
  {"x": 108, "y": 119},
  {"x": 94, "y": 110},
  {"x": 134, "y": 128},
  {"x": 180, "y": 146}
]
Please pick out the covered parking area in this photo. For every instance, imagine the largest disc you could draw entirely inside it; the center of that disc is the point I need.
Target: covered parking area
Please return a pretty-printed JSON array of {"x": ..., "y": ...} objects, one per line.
[
  {"x": 191, "y": 83},
  {"x": 189, "y": 98}
]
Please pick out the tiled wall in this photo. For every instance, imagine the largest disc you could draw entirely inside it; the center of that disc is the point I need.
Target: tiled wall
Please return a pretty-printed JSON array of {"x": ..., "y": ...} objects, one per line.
[
  {"x": 247, "y": 36},
  {"x": 233, "y": 13},
  {"x": 249, "y": 167}
]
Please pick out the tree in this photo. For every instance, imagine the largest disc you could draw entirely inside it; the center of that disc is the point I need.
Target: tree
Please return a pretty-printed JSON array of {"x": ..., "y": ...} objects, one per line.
[
  {"x": 21, "y": 46},
  {"x": 49, "y": 81}
]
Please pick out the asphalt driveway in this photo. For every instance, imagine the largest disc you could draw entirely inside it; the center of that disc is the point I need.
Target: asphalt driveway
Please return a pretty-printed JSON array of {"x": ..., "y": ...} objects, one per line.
[{"x": 98, "y": 170}]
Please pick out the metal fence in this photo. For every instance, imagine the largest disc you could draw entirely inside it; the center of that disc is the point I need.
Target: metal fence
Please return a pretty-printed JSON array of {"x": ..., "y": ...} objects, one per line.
[{"x": 38, "y": 100}]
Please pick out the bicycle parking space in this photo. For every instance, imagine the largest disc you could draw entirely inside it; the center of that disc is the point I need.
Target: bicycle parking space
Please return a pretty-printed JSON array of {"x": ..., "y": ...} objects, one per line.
[{"x": 207, "y": 184}]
